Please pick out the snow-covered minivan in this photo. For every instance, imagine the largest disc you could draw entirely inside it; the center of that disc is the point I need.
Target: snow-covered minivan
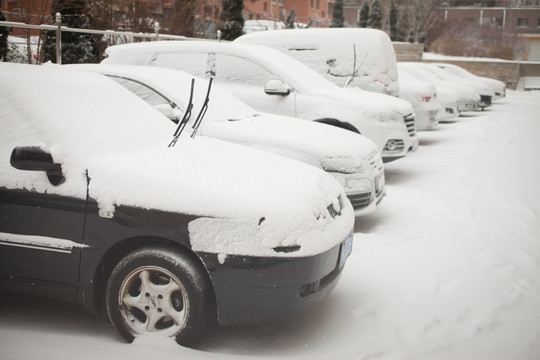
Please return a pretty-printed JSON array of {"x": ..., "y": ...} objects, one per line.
[
  {"x": 354, "y": 57},
  {"x": 98, "y": 209},
  {"x": 351, "y": 158},
  {"x": 273, "y": 82}
]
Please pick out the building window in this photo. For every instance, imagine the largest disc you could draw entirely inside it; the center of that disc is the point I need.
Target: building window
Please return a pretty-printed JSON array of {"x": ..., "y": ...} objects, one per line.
[
  {"x": 311, "y": 3},
  {"x": 523, "y": 22},
  {"x": 498, "y": 21},
  {"x": 538, "y": 23},
  {"x": 469, "y": 20},
  {"x": 318, "y": 4},
  {"x": 265, "y": 6}
]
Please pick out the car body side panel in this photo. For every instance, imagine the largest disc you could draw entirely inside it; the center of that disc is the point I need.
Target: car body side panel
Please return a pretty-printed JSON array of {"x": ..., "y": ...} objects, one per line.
[
  {"x": 46, "y": 232},
  {"x": 112, "y": 238}
]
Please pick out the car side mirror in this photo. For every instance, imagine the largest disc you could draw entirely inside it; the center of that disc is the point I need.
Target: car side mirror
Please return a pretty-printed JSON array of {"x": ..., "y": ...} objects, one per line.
[
  {"x": 34, "y": 158},
  {"x": 277, "y": 87}
]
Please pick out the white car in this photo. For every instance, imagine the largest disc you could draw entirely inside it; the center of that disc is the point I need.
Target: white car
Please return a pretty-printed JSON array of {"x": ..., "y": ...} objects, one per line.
[
  {"x": 423, "y": 97},
  {"x": 497, "y": 86},
  {"x": 274, "y": 82},
  {"x": 97, "y": 209},
  {"x": 486, "y": 94},
  {"x": 469, "y": 99},
  {"x": 351, "y": 158}
]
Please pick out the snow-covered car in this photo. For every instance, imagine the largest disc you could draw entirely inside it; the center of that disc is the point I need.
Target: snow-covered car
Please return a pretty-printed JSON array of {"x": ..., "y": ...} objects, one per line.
[
  {"x": 486, "y": 94},
  {"x": 351, "y": 158},
  {"x": 423, "y": 98},
  {"x": 469, "y": 99},
  {"x": 497, "y": 86},
  {"x": 273, "y": 82},
  {"x": 97, "y": 208},
  {"x": 354, "y": 57}
]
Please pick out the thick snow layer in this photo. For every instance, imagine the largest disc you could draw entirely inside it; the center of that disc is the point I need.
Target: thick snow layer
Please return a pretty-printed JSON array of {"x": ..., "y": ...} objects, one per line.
[
  {"x": 447, "y": 269},
  {"x": 337, "y": 53},
  {"x": 122, "y": 143},
  {"x": 232, "y": 120}
]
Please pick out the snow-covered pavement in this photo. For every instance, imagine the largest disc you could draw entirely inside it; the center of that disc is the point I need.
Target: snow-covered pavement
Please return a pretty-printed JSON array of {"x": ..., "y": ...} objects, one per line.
[{"x": 447, "y": 268}]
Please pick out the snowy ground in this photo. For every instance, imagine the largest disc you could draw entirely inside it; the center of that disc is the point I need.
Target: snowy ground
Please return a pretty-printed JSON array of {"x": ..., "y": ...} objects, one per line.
[{"x": 447, "y": 268}]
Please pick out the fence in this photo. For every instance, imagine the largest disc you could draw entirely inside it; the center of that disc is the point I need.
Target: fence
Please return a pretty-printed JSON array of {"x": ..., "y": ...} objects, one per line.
[{"x": 59, "y": 28}]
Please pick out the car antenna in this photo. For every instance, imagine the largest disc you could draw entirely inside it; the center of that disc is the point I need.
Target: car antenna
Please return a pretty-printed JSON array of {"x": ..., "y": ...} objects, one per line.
[
  {"x": 198, "y": 121},
  {"x": 185, "y": 117}
]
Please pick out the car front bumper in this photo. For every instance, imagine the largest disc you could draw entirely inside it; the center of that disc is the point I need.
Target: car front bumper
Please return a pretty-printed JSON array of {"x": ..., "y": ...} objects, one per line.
[{"x": 263, "y": 289}]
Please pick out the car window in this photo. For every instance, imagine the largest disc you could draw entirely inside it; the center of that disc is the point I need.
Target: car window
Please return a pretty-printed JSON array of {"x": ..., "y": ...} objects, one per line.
[
  {"x": 144, "y": 92},
  {"x": 193, "y": 63},
  {"x": 236, "y": 70}
]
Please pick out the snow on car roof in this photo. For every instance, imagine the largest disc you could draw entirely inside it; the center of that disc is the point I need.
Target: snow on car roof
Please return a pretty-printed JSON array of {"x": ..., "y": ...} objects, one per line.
[
  {"x": 298, "y": 75},
  {"x": 374, "y": 51}
]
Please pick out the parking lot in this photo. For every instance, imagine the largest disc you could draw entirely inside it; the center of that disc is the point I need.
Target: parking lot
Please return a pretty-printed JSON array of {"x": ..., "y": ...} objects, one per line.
[{"x": 448, "y": 267}]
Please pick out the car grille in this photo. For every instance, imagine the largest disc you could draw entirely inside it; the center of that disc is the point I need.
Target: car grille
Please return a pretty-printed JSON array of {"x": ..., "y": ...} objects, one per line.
[
  {"x": 360, "y": 201},
  {"x": 409, "y": 122}
]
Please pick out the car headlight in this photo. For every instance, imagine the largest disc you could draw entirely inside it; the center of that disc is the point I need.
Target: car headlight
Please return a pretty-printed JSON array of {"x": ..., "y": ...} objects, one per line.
[
  {"x": 344, "y": 165},
  {"x": 386, "y": 116},
  {"x": 353, "y": 183}
]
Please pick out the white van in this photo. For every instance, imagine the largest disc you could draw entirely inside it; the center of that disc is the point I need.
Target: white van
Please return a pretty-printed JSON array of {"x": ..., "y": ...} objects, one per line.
[{"x": 353, "y": 57}]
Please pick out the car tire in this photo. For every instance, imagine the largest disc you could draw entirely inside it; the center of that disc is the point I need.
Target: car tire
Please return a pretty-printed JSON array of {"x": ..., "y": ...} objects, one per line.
[
  {"x": 338, "y": 123},
  {"x": 159, "y": 290}
]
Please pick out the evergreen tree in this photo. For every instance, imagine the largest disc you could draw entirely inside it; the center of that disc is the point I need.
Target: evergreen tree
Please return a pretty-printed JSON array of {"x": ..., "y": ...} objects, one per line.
[
  {"x": 338, "y": 19},
  {"x": 364, "y": 15},
  {"x": 232, "y": 21},
  {"x": 394, "y": 28},
  {"x": 375, "y": 15},
  {"x": 76, "y": 47},
  {"x": 4, "y": 32},
  {"x": 291, "y": 18}
]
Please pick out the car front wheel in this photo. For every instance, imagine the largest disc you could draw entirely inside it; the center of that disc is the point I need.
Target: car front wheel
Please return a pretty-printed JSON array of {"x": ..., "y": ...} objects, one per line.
[{"x": 158, "y": 290}]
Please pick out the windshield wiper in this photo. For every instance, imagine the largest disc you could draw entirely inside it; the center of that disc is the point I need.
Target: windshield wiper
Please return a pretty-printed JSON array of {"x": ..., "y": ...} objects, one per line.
[
  {"x": 187, "y": 115},
  {"x": 198, "y": 121}
]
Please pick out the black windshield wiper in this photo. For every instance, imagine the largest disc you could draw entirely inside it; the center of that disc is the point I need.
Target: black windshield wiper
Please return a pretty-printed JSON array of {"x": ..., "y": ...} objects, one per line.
[
  {"x": 187, "y": 115},
  {"x": 198, "y": 121}
]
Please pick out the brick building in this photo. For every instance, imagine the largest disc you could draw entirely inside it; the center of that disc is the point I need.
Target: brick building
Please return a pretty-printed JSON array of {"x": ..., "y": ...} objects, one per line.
[{"x": 519, "y": 16}]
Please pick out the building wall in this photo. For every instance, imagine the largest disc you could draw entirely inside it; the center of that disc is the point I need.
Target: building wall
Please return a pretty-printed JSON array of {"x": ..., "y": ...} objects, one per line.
[
  {"x": 316, "y": 11},
  {"x": 35, "y": 12}
]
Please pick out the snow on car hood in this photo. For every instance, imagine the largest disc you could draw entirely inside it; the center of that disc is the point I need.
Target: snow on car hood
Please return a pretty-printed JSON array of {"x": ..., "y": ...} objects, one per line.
[
  {"x": 94, "y": 125},
  {"x": 306, "y": 141}
]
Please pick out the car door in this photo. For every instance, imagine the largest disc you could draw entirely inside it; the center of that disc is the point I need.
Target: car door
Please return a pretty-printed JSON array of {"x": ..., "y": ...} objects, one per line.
[{"x": 41, "y": 224}]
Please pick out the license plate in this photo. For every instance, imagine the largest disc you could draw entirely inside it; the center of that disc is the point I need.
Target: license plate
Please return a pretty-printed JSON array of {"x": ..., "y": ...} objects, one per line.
[{"x": 346, "y": 249}]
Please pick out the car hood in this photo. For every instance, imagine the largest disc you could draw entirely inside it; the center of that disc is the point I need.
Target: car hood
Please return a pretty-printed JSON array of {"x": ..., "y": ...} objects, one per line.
[
  {"x": 368, "y": 99},
  {"x": 302, "y": 140},
  {"x": 248, "y": 202}
]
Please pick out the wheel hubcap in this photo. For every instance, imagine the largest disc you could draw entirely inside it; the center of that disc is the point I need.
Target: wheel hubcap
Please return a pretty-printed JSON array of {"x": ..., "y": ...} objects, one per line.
[{"x": 152, "y": 299}]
